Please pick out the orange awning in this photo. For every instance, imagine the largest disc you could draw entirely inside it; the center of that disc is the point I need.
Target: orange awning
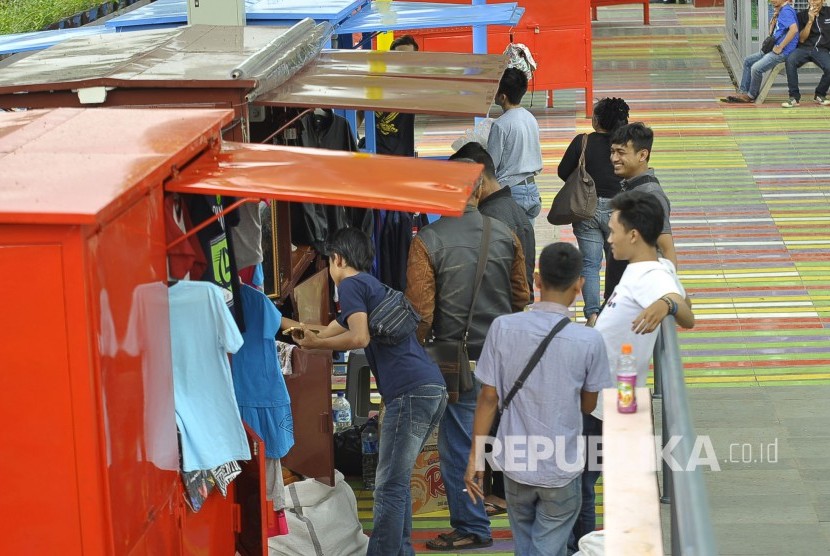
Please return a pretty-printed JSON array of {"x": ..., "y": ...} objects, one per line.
[{"x": 331, "y": 177}]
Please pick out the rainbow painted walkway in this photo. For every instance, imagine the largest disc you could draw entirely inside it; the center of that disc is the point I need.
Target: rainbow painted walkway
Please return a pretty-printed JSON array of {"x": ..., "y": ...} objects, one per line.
[{"x": 750, "y": 193}]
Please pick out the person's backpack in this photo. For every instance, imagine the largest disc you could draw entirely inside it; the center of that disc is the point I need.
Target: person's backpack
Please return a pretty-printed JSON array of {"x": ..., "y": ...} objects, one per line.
[{"x": 394, "y": 318}]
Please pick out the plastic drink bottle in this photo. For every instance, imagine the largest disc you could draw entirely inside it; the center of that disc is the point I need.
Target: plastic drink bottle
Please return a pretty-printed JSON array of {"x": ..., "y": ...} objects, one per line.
[
  {"x": 369, "y": 447},
  {"x": 341, "y": 413},
  {"x": 626, "y": 381}
]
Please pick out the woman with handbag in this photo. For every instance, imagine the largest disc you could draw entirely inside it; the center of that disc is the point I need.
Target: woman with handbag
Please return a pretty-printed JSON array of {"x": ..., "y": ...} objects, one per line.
[{"x": 592, "y": 234}]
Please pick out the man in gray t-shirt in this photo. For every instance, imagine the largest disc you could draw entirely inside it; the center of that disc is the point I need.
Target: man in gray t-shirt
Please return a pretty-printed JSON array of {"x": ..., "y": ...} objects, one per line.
[
  {"x": 514, "y": 145},
  {"x": 630, "y": 153},
  {"x": 538, "y": 439}
]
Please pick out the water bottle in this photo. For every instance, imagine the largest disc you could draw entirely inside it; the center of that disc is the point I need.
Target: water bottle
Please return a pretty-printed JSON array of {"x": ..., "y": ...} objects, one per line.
[
  {"x": 369, "y": 447},
  {"x": 626, "y": 381},
  {"x": 341, "y": 413}
]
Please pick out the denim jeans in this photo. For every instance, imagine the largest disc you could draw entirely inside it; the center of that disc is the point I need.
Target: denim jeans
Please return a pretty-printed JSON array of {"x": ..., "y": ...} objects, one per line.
[
  {"x": 542, "y": 518},
  {"x": 801, "y": 56},
  {"x": 408, "y": 422},
  {"x": 454, "y": 445},
  {"x": 755, "y": 66},
  {"x": 586, "y": 521},
  {"x": 592, "y": 235},
  {"x": 527, "y": 196}
]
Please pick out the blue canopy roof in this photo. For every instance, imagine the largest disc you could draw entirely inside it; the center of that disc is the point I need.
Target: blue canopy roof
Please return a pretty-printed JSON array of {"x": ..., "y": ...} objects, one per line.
[
  {"x": 397, "y": 15},
  {"x": 259, "y": 12},
  {"x": 38, "y": 40}
]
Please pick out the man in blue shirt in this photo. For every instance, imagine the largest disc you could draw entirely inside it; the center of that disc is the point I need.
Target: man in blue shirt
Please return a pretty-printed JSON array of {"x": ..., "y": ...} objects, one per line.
[
  {"x": 784, "y": 27},
  {"x": 409, "y": 382},
  {"x": 538, "y": 440}
]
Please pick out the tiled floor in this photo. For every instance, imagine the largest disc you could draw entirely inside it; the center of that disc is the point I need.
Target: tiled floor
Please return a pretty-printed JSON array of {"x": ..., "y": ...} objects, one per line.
[{"x": 750, "y": 193}]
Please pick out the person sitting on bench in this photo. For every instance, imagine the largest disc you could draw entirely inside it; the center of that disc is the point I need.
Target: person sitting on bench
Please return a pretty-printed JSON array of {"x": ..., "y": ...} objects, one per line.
[
  {"x": 784, "y": 28},
  {"x": 814, "y": 37}
]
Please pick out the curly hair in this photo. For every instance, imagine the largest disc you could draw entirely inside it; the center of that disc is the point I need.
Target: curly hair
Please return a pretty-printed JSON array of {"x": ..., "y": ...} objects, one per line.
[{"x": 611, "y": 113}]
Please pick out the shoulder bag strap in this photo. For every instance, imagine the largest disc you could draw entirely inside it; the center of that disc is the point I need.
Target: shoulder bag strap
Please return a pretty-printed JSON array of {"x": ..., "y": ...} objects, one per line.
[
  {"x": 534, "y": 360},
  {"x": 482, "y": 262},
  {"x": 582, "y": 156}
]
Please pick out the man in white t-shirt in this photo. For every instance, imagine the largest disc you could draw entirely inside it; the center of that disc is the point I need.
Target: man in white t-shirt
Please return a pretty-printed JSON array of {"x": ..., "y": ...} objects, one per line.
[{"x": 647, "y": 292}]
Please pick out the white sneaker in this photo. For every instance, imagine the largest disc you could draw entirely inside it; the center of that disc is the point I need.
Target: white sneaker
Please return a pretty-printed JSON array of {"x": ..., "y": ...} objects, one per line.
[
  {"x": 821, "y": 100},
  {"x": 792, "y": 103}
]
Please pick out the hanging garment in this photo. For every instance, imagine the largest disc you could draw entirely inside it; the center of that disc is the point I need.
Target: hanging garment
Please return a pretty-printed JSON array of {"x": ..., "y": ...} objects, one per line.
[
  {"x": 312, "y": 224},
  {"x": 258, "y": 383},
  {"x": 186, "y": 260},
  {"x": 247, "y": 236},
  {"x": 395, "y": 239},
  {"x": 202, "y": 334},
  {"x": 395, "y": 133},
  {"x": 218, "y": 247}
]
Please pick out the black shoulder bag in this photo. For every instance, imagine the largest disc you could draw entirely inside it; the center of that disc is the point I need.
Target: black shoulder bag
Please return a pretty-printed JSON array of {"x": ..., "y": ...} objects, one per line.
[
  {"x": 451, "y": 355},
  {"x": 531, "y": 364}
]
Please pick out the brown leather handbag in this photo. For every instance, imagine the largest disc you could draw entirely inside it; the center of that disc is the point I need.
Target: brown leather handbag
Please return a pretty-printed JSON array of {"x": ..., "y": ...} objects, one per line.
[
  {"x": 577, "y": 200},
  {"x": 451, "y": 356}
]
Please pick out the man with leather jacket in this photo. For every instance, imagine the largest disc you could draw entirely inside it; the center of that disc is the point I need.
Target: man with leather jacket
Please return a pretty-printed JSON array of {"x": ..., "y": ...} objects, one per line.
[{"x": 441, "y": 274}]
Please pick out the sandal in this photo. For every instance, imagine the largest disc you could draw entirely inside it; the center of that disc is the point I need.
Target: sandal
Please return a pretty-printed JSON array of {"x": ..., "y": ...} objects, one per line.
[
  {"x": 494, "y": 509},
  {"x": 736, "y": 100},
  {"x": 454, "y": 541}
]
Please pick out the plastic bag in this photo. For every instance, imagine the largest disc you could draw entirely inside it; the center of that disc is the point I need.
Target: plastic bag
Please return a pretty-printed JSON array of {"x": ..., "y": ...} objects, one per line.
[{"x": 478, "y": 134}]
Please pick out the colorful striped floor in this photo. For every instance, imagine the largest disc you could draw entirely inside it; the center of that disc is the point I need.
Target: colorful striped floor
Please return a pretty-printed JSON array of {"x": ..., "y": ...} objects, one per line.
[{"x": 749, "y": 193}]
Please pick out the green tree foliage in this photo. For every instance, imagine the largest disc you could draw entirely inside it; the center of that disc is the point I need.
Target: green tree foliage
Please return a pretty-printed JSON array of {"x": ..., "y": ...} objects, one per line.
[{"x": 20, "y": 16}]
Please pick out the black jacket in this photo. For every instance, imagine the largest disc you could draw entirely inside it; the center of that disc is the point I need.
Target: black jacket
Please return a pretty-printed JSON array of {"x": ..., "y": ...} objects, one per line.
[{"x": 503, "y": 207}]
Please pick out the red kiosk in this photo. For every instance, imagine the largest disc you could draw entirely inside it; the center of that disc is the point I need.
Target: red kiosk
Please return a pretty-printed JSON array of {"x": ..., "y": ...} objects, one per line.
[
  {"x": 88, "y": 426},
  {"x": 558, "y": 33}
]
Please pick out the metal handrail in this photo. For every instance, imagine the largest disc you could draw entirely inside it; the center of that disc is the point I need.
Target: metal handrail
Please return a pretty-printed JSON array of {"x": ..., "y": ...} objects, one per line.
[{"x": 685, "y": 491}]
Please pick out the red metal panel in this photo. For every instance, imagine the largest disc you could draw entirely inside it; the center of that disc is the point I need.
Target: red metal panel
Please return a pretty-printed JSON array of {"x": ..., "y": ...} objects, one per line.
[
  {"x": 129, "y": 312},
  {"x": 211, "y": 531},
  {"x": 39, "y": 500},
  {"x": 331, "y": 177},
  {"x": 83, "y": 171},
  {"x": 558, "y": 33}
]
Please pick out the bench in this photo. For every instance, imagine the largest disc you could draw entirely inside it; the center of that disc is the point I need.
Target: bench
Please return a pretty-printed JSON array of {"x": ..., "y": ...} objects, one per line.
[
  {"x": 631, "y": 498},
  {"x": 600, "y": 3},
  {"x": 769, "y": 80}
]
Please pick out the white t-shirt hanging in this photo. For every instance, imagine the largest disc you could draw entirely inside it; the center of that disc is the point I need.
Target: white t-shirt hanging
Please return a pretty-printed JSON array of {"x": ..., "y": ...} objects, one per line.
[
  {"x": 641, "y": 285},
  {"x": 203, "y": 332}
]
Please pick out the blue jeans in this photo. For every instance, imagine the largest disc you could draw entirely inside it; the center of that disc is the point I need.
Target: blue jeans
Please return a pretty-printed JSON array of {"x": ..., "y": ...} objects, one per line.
[
  {"x": 542, "y": 518},
  {"x": 592, "y": 235},
  {"x": 801, "y": 56},
  {"x": 755, "y": 66},
  {"x": 586, "y": 521},
  {"x": 527, "y": 196},
  {"x": 408, "y": 422},
  {"x": 454, "y": 445}
]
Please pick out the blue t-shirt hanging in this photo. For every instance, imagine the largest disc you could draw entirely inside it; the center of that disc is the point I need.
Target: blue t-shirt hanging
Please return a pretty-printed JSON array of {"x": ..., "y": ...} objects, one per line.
[
  {"x": 258, "y": 382},
  {"x": 203, "y": 332},
  {"x": 398, "y": 368}
]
